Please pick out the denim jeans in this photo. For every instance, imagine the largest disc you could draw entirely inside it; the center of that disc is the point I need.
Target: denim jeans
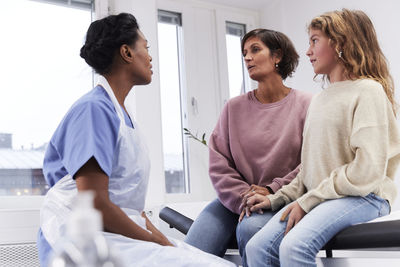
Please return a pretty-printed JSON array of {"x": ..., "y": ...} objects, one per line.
[
  {"x": 269, "y": 247},
  {"x": 248, "y": 227},
  {"x": 216, "y": 225}
]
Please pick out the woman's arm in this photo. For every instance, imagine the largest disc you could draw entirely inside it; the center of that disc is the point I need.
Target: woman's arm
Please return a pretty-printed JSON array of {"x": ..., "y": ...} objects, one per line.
[
  {"x": 227, "y": 181},
  {"x": 91, "y": 177},
  {"x": 278, "y": 182}
]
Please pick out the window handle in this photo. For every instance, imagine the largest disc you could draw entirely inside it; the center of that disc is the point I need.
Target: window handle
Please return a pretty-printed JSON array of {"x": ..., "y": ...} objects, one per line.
[{"x": 194, "y": 106}]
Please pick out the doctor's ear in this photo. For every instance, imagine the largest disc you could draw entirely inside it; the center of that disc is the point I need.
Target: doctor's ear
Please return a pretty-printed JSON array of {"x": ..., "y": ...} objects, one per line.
[{"x": 126, "y": 53}]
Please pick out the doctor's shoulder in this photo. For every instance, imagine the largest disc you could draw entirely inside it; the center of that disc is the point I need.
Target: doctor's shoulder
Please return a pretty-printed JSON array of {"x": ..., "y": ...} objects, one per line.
[{"x": 92, "y": 108}]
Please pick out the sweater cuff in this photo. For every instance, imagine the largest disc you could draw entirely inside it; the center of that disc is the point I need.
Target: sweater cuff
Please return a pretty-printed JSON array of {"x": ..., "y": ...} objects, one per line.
[
  {"x": 308, "y": 202},
  {"x": 235, "y": 208},
  {"x": 277, "y": 201}
]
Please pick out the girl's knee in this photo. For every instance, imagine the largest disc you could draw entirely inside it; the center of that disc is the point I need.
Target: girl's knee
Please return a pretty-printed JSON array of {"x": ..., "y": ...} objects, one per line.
[
  {"x": 252, "y": 248},
  {"x": 292, "y": 245}
]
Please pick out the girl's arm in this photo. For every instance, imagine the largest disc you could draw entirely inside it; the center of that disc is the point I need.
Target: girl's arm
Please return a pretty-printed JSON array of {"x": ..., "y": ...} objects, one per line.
[
  {"x": 288, "y": 193},
  {"x": 361, "y": 176},
  {"x": 375, "y": 143}
]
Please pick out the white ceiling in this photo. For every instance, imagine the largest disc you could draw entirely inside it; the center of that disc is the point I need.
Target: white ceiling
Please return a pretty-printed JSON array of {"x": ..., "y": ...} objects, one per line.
[{"x": 249, "y": 4}]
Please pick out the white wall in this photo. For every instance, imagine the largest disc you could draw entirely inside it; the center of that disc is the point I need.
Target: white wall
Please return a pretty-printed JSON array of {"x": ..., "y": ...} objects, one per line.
[{"x": 292, "y": 17}]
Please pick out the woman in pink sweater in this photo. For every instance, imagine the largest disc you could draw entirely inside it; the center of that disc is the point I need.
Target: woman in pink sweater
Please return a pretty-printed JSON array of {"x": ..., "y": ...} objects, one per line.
[{"x": 255, "y": 145}]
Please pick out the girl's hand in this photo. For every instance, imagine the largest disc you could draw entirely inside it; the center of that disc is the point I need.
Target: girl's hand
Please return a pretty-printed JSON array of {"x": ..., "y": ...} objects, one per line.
[
  {"x": 258, "y": 202},
  {"x": 295, "y": 212}
]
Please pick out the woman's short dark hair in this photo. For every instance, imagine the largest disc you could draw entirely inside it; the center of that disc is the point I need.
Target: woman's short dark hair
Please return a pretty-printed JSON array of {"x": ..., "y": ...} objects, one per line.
[
  {"x": 104, "y": 38},
  {"x": 278, "y": 44}
]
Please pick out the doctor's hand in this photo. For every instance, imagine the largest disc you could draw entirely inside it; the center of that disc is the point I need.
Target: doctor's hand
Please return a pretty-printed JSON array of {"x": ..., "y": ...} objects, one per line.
[
  {"x": 295, "y": 213},
  {"x": 157, "y": 236}
]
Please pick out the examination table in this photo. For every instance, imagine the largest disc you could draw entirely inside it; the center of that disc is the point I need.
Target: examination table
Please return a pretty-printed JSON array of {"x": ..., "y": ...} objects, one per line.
[{"x": 380, "y": 234}]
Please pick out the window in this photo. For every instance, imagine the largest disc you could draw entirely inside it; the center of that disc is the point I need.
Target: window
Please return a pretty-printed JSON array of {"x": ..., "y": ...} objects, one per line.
[
  {"x": 172, "y": 105},
  {"x": 43, "y": 76},
  {"x": 238, "y": 77}
]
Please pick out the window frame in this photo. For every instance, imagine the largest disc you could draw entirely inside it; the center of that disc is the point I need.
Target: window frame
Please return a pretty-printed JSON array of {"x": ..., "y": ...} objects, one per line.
[
  {"x": 246, "y": 81},
  {"x": 250, "y": 22},
  {"x": 182, "y": 95},
  {"x": 196, "y": 150},
  {"x": 34, "y": 202},
  {"x": 81, "y": 4},
  {"x": 183, "y": 10},
  {"x": 222, "y": 13}
]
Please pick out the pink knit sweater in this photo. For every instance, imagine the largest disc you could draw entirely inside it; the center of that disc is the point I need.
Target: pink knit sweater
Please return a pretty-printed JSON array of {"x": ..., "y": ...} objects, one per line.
[{"x": 255, "y": 143}]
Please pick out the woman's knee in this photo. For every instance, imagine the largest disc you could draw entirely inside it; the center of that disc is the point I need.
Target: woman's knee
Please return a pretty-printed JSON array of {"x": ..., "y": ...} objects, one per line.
[
  {"x": 245, "y": 230},
  {"x": 249, "y": 226}
]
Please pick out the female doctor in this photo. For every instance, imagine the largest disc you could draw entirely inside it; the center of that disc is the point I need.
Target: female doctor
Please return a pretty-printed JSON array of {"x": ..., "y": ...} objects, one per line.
[{"x": 97, "y": 146}]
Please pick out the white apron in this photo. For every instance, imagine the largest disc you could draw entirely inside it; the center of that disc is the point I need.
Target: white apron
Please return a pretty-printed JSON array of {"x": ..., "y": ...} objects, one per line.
[
  {"x": 127, "y": 183},
  {"x": 127, "y": 189}
]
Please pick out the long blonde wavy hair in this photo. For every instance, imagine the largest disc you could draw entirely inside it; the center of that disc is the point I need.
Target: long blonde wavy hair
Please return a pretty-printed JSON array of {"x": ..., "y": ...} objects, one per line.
[{"x": 354, "y": 39}]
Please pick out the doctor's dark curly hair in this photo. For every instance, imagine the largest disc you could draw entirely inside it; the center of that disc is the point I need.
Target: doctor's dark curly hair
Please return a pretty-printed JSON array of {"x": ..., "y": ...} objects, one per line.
[
  {"x": 280, "y": 45},
  {"x": 104, "y": 38}
]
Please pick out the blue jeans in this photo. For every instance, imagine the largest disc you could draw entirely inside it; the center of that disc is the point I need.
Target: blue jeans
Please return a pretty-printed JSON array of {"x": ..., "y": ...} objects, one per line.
[
  {"x": 248, "y": 227},
  {"x": 269, "y": 247},
  {"x": 216, "y": 226}
]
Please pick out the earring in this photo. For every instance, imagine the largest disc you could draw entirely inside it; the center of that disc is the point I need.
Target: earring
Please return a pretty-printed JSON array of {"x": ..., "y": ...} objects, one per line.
[
  {"x": 276, "y": 65},
  {"x": 340, "y": 54}
]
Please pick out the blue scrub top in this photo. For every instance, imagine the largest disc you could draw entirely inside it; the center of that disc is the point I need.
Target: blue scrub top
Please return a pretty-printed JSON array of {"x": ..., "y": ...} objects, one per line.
[{"x": 89, "y": 129}]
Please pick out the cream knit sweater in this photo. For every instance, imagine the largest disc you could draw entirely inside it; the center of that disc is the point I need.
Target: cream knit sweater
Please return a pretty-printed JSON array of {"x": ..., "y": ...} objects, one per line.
[{"x": 351, "y": 147}]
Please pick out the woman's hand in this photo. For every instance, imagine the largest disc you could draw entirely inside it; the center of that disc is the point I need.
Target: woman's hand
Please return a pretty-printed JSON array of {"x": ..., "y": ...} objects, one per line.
[
  {"x": 244, "y": 211},
  {"x": 255, "y": 203},
  {"x": 295, "y": 212},
  {"x": 257, "y": 189},
  {"x": 157, "y": 236},
  {"x": 253, "y": 189}
]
